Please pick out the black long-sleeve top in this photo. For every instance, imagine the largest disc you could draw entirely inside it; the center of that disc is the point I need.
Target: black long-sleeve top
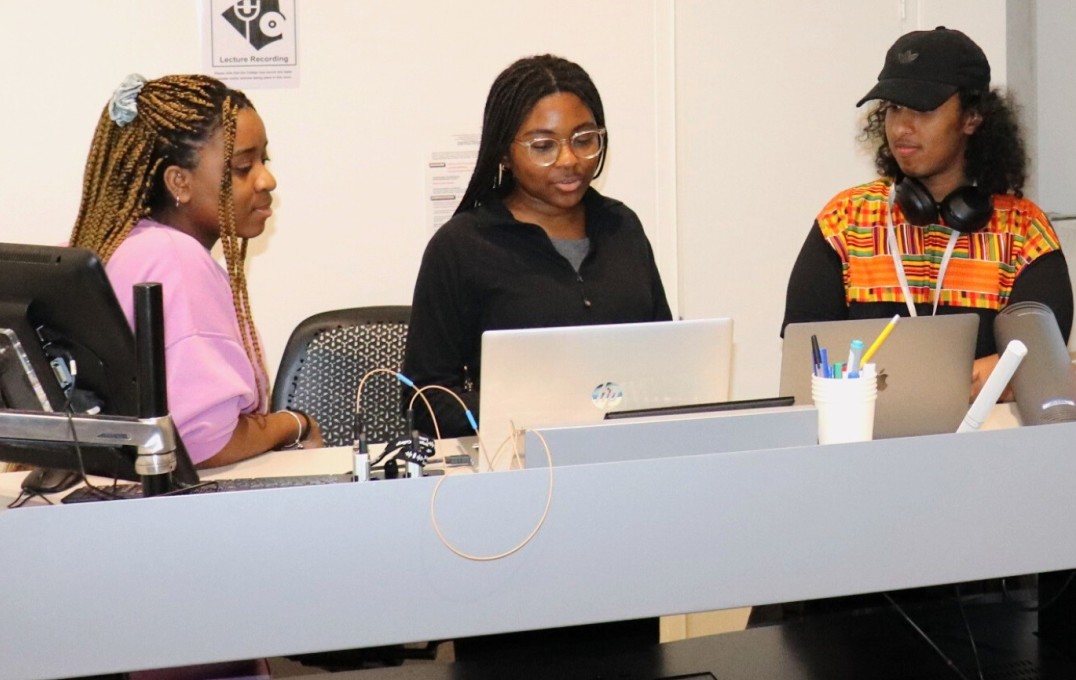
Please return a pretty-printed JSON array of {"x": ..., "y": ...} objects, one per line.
[{"x": 485, "y": 270}]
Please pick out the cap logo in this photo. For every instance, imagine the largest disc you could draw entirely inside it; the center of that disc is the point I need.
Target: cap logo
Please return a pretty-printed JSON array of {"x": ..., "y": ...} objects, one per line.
[{"x": 907, "y": 57}]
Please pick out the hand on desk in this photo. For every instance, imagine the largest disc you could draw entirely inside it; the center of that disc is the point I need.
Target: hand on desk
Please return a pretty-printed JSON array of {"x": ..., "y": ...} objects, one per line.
[{"x": 981, "y": 370}]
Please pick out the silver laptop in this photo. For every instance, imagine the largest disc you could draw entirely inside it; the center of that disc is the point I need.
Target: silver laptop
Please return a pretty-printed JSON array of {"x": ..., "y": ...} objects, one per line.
[
  {"x": 573, "y": 375},
  {"x": 924, "y": 368}
]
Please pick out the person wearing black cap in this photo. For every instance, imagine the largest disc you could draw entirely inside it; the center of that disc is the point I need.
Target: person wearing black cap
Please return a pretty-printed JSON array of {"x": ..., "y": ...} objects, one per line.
[{"x": 946, "y": 228}]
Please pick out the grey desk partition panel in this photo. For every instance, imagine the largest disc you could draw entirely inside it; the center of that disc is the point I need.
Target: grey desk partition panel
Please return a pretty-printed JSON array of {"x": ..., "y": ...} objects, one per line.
[
  {"x": 184, "y": 580},
  {"x": 666, "y": 436}
]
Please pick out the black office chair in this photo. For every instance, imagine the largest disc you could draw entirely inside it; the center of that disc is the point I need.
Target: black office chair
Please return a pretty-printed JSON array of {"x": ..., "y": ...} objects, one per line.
[{"x": 326, "y": 357}]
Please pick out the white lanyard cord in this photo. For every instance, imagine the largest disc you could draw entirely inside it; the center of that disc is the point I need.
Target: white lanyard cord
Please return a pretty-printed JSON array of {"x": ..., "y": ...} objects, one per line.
[{"x": 898, "y": 264}]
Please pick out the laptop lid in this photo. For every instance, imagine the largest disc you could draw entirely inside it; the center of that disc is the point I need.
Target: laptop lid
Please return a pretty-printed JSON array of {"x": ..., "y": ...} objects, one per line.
[
  {"x": 924, "y": 368},
  {"x": 539, "y": 377}
]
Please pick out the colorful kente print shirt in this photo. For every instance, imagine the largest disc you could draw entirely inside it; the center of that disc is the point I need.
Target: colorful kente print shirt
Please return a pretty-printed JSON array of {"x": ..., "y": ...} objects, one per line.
[
  {"x": 845, "y": 268},
  {"x": 983, "y": 267}
]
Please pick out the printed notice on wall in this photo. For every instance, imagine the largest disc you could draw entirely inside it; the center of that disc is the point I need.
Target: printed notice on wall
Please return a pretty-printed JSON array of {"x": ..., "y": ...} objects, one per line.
[
  {"x": 251, "y": 43},
  {"x": 448, "y": 170}
]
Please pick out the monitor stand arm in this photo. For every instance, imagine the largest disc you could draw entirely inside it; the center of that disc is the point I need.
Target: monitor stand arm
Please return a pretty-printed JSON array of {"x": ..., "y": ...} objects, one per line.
[{"x": 155, "y": 438}]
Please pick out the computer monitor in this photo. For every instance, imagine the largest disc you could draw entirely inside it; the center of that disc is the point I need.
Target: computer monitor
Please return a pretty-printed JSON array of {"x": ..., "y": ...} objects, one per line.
[{"x": 58, "y": 316}]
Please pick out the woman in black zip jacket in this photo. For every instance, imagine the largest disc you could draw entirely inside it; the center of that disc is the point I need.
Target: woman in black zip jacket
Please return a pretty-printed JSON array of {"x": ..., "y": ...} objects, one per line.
[{"x": 531, "y": 243}]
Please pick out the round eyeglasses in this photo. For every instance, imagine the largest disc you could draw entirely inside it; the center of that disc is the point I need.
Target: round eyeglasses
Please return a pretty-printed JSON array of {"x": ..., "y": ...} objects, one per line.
[{"x": 545, "y": 151}]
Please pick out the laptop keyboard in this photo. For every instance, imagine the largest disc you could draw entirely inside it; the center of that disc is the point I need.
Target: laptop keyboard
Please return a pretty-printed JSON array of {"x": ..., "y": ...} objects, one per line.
[{"x": 124, "y": 491}]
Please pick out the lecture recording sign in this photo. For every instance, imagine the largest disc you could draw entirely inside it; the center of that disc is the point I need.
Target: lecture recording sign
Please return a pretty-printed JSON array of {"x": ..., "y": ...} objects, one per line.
[{"x": 251, "y": 43}]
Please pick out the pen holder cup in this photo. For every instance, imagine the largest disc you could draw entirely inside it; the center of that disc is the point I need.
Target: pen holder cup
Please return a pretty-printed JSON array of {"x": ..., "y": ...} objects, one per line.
[{"x": 845, "y": 408}]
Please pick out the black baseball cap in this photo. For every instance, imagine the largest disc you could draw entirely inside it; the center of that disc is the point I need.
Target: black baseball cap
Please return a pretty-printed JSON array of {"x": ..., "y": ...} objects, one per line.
[{"x": 924, "y": 68}]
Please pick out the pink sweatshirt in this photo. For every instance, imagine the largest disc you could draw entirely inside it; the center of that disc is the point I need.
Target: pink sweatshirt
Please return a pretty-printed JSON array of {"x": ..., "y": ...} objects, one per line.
[{"x": 210, "y": 378}]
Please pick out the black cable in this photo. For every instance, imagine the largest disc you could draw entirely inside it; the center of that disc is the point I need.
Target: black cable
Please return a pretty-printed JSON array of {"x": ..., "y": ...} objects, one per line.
[
  {"x": 100, "y": 492},
  {"x": 189, "y": 488},
  {"x": 25, "y": 495},
  {"x": 967, "y": 627},
  {"x": 1019, "y": 606},
  {"x": 20, "y": 500},
  {"x": 936, "y": 648}
]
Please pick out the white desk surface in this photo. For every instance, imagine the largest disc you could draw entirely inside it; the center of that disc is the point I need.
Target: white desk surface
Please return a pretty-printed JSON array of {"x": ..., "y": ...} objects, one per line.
[{"x": 284, "y": 571}]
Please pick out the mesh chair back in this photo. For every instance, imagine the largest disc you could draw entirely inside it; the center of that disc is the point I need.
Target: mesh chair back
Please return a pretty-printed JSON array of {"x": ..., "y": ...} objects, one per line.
[{"x": 326, "y": 357}]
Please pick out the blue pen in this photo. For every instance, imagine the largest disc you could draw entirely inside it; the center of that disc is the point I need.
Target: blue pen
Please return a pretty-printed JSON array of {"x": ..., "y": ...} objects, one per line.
[
  {"x": 816, "y": 356},
  {"x": 855, "y": 353},
  {"x": 825, "y": 363}
]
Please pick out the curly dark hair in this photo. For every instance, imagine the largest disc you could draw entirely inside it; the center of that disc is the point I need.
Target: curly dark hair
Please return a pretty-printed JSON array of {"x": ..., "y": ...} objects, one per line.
[
  {"x": 996, "y": 159},
  {"x": 511, "y": 97}
]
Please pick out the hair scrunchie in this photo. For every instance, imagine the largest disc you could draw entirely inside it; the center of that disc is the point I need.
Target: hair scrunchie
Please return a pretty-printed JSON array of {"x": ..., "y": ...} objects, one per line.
[{"x": 123, "y": 107}]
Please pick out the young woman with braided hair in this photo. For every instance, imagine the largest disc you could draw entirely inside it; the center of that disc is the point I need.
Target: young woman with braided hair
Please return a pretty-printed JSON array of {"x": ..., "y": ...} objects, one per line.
[
  {"x": 531, "y": 243},
  {"x": 177, "y": 164}
]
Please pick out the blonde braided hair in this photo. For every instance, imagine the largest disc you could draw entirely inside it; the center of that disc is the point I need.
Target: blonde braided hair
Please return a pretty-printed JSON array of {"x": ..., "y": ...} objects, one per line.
[{"x": 124, "y": 178}]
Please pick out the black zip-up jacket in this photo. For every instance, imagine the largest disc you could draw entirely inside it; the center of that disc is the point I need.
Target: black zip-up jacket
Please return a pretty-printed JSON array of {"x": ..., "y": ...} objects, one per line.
[{"x": 485, "y": 270}]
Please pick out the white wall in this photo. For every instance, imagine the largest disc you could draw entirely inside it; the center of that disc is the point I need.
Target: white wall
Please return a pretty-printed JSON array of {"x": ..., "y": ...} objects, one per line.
[
  {"x": 1054, "y": 24},
  {"x": 766, "y": 134},
  {"x": 1052, "y": 144},
  {"x": 731, "y": 125},
  {"x": 382, "y": 83}
]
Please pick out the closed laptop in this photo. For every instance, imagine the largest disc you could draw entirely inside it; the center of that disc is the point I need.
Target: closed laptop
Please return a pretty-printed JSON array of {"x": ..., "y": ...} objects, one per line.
[{"x": 574, "y": 375}]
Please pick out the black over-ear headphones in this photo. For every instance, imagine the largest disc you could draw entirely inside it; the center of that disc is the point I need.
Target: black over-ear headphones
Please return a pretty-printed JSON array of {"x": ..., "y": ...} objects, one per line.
[{"x": 966, "y": 209}]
